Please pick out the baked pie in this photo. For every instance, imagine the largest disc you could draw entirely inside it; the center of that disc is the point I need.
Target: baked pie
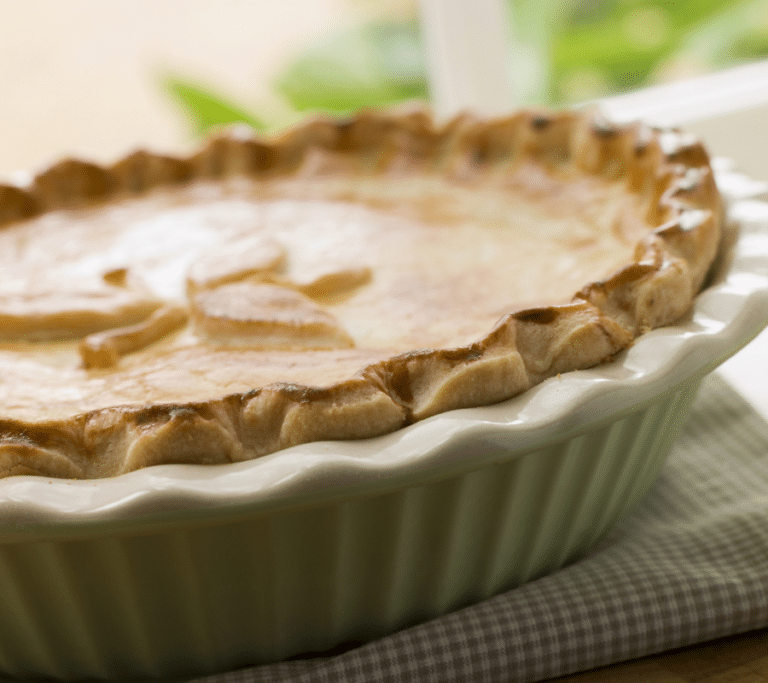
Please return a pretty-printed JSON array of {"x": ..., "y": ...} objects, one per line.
[{"x": 340, "y": 281}]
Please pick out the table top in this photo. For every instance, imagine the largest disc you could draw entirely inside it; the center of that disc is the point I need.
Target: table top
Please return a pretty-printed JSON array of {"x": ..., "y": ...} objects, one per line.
[{"x": 735, "y": 659}]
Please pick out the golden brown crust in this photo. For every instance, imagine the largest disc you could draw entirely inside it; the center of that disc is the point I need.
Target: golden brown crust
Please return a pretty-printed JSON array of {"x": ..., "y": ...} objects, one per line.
[{"x": 669, "y": 171}]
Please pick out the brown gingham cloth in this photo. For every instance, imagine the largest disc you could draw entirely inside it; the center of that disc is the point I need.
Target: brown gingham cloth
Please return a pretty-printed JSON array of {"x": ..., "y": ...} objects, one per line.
[{"x": 690, "y": 564}]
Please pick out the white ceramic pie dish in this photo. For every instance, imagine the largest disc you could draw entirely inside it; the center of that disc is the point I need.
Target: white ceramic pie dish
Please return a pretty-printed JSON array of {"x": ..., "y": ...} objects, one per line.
[{"x": 179, "y": 570}]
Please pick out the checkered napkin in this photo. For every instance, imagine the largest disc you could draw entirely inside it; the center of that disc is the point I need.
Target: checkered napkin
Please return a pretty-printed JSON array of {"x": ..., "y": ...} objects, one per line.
[{"x": 690, "y": 564}]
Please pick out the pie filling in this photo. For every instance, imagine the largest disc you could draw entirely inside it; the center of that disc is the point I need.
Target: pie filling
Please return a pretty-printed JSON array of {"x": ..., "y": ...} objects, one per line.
[{"x": 328, "y": 299}]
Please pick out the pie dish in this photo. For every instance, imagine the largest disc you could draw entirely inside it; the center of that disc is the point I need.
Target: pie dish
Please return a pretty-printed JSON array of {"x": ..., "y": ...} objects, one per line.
[
  {"x": 342, "y": 281},
  {"x": 180, "y": 570}
]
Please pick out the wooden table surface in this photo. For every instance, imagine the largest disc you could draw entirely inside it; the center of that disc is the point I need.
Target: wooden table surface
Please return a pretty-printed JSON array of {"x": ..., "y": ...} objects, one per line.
[{"x": 736, "y": 659}]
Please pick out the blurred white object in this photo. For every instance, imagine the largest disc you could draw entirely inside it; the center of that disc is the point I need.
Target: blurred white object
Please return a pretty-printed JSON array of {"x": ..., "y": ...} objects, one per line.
[
  {"x": 467, "y": 56},
  {"x": 695, "y": 99}
]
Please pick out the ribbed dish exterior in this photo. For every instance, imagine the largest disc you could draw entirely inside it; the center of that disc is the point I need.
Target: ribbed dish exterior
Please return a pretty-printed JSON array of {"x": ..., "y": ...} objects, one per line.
[{"x": 222, "y": 594}]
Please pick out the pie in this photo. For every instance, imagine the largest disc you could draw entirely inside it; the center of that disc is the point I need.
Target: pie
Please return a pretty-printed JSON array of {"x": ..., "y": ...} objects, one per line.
[{"x": 340, "y": 281}]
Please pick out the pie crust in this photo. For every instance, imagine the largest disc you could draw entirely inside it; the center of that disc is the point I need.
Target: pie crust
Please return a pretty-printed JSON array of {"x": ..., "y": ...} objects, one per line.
[{"x": 246, "y": 307}]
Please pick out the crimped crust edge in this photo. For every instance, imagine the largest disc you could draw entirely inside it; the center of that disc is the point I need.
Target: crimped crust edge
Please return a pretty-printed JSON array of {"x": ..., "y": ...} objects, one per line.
[{"x": 667, "y": 168}]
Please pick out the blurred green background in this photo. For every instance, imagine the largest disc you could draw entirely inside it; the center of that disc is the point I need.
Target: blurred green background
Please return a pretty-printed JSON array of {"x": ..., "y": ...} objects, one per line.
[{"x": 561, "y": 52}]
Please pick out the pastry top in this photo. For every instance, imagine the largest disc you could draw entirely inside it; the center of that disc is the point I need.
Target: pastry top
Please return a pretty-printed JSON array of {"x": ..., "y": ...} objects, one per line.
[{"x": 337, "y": 282}]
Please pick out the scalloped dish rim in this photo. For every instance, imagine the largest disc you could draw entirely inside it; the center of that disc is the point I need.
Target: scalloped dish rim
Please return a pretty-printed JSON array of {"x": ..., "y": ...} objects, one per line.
[{"x": 725, "y": 317}]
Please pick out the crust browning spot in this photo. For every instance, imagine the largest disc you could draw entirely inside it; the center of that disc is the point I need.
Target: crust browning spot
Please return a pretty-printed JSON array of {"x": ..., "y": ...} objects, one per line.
[
  {"x": 15, "y": 204},
  {"x": 432, "y": 382},
  {"x": 71, "y": 183},
  {"x": 185, "y": 437},
  {"x": 355, "y": 409},
  {"x": 142, "y": 170},
  {"x": 280, "y": 416},
  {"x": 540, "y": 316},
  {"x": 23, "y": 459},
  {"x": 43, "y": 449},
  {"x": 580, "y": 337},
  {"x": 236, "y": 151}
]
